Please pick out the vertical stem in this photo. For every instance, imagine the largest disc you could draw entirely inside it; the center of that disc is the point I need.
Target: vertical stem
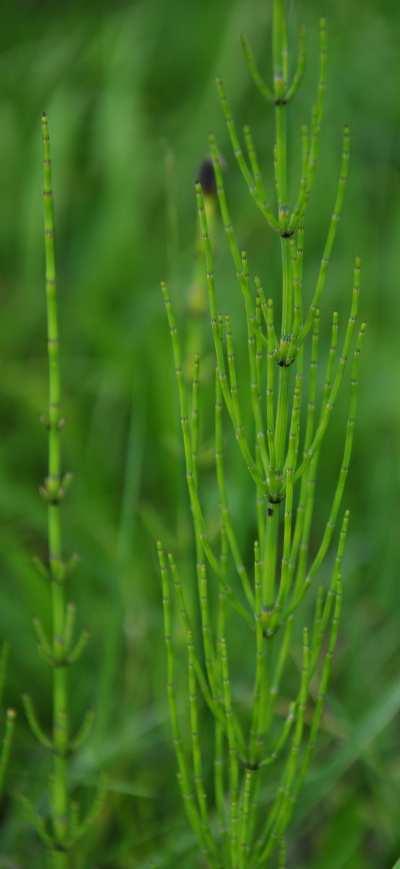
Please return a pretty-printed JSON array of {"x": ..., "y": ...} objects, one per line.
[
  {"x": 282, "y": 415},
  {"x": 280, "y": 59},
  {"x": 270, "y": 557},
  {"x": 258, "y": 711},
  {"x": 280, "y": 71},
  {"x": 219, "y": 730},
  {"x": 60, "y": 706}
]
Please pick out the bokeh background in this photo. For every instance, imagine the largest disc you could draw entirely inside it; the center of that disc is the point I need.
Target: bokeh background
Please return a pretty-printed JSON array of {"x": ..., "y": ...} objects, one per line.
[{"x": 129, "y": 89}]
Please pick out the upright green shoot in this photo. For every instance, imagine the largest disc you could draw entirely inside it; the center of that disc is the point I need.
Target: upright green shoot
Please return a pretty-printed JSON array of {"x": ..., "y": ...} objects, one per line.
[
  {"x": 241, "y": 815},
  {"x": 61, "y": 649}
]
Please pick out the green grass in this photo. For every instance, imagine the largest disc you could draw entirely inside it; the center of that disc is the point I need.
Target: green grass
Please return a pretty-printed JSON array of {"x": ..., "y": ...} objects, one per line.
[{"x": 122, "y": 89}]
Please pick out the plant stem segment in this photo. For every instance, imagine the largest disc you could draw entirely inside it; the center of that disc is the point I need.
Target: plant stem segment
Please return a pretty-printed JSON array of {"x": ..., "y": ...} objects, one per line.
[{"x": 60, "y": 696}]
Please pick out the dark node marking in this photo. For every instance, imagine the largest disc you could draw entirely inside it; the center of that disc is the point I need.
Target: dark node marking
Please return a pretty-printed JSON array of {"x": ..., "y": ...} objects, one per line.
[
  {"x": 270, "y": 511},
  {"x": 280, "y": 101},
  {"x": 275, "y": 500},
  {"x": 285, "y": 363},
  {"x": 287, "y": 233},
  {"x": 206, "y": 177}
]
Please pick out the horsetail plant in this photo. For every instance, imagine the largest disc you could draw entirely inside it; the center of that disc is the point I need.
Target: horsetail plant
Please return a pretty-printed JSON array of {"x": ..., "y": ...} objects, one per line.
[
  {"x": 61, "y": 650},
  {"x": 261, "y": 759}
]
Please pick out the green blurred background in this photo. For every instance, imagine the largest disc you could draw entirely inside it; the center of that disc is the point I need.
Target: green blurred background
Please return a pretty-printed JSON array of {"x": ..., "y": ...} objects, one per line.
[{"x": 130, "y": 93}]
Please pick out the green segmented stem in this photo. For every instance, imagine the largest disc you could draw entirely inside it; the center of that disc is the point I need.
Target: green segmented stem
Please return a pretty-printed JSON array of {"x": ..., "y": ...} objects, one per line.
[
  {"x": 312, "y": 383},
  {"x": 330, "y": 239},
  {"x": 34, "y": 724},
  {"x": 301, "y": 201},
  {"x": 254, "y": 71},
  {"x": 282, "y": 657},
  {"x": 270, "y": 557},
  {"x": 243, "y": 166},
  {"x": 331, "y": 398},
  {"x": 344, "y": 469},
  {"x": 326, "y": 671},
  {"x": 225, "y": 513},
  {"x": 183, "y": 772},
  {"x": 280, "y": 72},
  {"x": 59, "y": 650},
  {"x": 282, "y": 740},
  {"x": 223, "y": 204},
  {"x": 325, "y": 601},
  {"x": 209, "y": 650},
  {"x": 280, "y": 78},
  {"x": 201, "y": 536},
  {"x": 219, "y": 741},
  {"x": 254, "y": 163},
  {"x": 281, "y": 811},
  {"x": 233, "y": 760},
  {"x": 260, "y": 684},
  {"x": 212, "y": 298},
  {"x": 259, "y": 343},
  {"x": 236, "y": 146},
  {"x": 60, "y": 797},
  {"x": 214, "y": 704},
  {"x": 194, "y": 432},
  {"x": 194, "y": 729},
  {"x": 279, "y": 49},
  {"x": 261, "y": 495},
  {"x": 231, "y": 401},
  {"x": 300, "y": 67},
  {"x": 244, "y": 844},
  {"x": 236, "y": 413},
  {"x": 282, "y": 416},
  {"x": 308, "y": 482},
  {"x": 318, "y": 108},
  {"x": 306, "y": 499},
  {"x": 317, "y": 621},
  {"x": 296, "y": 251},
  {"x": 298, "y": 596},
  {"x": 289, "y": 495},
  {"x": 270, "y": 391},
  {"x": 254, "y": 372}
]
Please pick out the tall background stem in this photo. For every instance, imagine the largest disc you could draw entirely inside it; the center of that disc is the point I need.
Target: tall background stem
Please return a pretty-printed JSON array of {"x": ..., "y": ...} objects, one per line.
[{"x": 60, "y": 689}]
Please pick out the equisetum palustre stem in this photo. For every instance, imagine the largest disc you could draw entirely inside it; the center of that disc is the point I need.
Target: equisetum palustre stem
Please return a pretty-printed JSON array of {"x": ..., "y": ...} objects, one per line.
[
  {"x": 61, "y": 650},
  {"x": 261, "y": 758}
]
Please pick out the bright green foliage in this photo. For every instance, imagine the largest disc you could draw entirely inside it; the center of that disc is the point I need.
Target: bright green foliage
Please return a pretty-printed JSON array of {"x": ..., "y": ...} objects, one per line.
[
  {"x": 62, "y": 649},
  {"x": 261, "y": 757}
]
